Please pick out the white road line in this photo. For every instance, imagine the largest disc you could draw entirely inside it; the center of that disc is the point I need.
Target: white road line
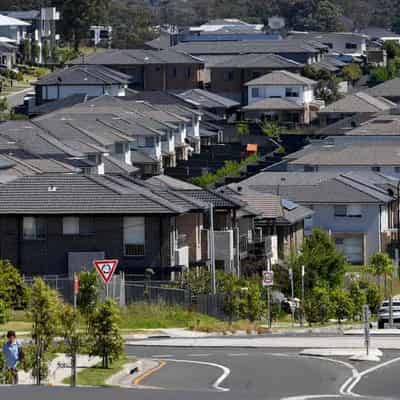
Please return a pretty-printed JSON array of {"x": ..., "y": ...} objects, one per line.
[
  {"x": 349, "y": 390},
  {"x": 217, "y": 383},
  {"x": 161, "y": 355},
  {"x": 311, "y": 396},
  {"x": 237, "y": 354},
  {"x": 198, "y": 355}
]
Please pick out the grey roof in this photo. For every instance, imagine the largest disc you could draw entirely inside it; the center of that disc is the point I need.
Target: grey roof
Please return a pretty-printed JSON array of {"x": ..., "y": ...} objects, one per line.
[
  {"x": 55, "y": 105},
  {"x": 377, "y": 32},
  {"x": 247, "y": 47},
  {"x": 312, "y": 188},
  {"x": 219, "y": 200},
  {"x": 281, "y": 78},
  {"x": 273, "y": 104},
  {"x": 389, "y": 89},
  {"x": 24, "y": 15},
  {"x": 351, "y": 154},
  {"x": 85, "y": 194},
  {"x": 381, "y": 125},
  {"x": 137, "y": 57},
  {"x": 206, "y": 99},
  {"x": 359, "y": 102},
  {"x": 167, "y": 182},
  {"x": 85, "y": 75},
  {"x": 161, "y": 42},
  {"x": 272, "y": 61}
]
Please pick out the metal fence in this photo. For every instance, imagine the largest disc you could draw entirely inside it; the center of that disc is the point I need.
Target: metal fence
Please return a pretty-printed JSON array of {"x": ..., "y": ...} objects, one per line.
[
  {"x": 211, "y": 304},
  {"x": 141, "y": 292}
]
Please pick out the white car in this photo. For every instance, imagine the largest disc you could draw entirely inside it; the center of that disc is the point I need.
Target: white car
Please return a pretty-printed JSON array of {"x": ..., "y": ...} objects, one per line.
[{"x": 383, "y": 312}]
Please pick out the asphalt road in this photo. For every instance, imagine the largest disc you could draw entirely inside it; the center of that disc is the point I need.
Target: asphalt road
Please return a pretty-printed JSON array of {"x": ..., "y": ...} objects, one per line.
[{"x": 240, "y": 374}]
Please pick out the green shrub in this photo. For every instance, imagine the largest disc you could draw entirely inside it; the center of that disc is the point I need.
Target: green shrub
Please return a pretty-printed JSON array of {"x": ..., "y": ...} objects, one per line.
[
  {"x": 342, "y": 304},
  {"x": 317, "y": 306},
  {"x": 13, "y": 290}
]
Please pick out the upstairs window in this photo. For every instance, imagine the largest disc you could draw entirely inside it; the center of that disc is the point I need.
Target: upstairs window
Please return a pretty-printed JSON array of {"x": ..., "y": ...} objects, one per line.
[
  {"x": 34, "y": 228},
  {"x": 228, "y": 76},
  {"x": 351, "y": 46},
  {"x": 376, "y": 168},
  {"x": 149, "y": 142},
  {"x": 78, "y": 225},
  {"x": 291, "y": 92},
  {"x": 255, "y": 92},
  {"x": 134, "y": 236},
  {"x": 353, "y": 211}
]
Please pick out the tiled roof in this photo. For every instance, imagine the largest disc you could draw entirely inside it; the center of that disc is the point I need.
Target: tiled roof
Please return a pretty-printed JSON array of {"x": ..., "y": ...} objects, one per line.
[
  {"x": 136, "y": 57},
  {"x": 206, "y": 99},
  {"x": 85, "y": 75},
  {"x": 219, "y": 200},
  {"x": 390, "y": 88},
  {"x": 168, "y": 182},
  {"x": 357, "y": 103},
  {"x": 281, "y": 78},
  {"x": 382, "y": 125},
  {"x": 272, "y": 61},
  {"x": 83, "y": 194}
]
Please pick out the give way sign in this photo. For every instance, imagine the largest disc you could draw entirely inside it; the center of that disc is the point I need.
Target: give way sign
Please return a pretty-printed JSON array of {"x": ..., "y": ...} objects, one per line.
[{"x": 105, "y": 268}]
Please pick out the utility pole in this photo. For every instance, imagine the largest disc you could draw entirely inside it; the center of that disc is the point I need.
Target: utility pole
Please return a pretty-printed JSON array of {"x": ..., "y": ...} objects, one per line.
[
  {"x": 212, "y": 251},
  {"x": 302, "y": 294},
  {"x": 292, "y": 306},
  {"x": 366, "y": 328}
]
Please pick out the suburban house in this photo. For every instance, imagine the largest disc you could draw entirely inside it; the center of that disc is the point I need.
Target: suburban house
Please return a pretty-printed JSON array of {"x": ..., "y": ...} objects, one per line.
[
  {"x": 278, "y": 221},
  {"x": 380, "y": 34},
  {"x": 348, "y": 43},
  {"x": 40, "y": 27},
  {"x": 282, "y": 96},
  {"x": 150, "y": 69},
  {"x": 92, "y": 217},
  {"x": 91, "y": 80},
  {"x": 390, "y": 90},
  {"x": 358, "y": 211},
  {"x": 229, "y": 76},
  {"x": 345, "y": 154},
  {"x": 352, "y": 104},
  {"x": 12, "y": 29},
  {"x": 8, "y": 54}
]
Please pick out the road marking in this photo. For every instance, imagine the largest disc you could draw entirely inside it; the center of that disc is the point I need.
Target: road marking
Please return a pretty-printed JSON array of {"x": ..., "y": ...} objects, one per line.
[
  {"x": 311, "y": 396},
  {"x": 217, "y": 383},
  {"x": 237, "y": 354},
  {"x": 161, "y": 355},
  {"x": 349, "y": 390},
  {"x": 139, "y": 379},
  {"x": 198, "y": 355}
]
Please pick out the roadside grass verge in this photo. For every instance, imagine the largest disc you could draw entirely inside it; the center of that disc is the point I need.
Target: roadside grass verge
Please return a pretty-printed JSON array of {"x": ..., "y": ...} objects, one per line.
[
  {"x": 97, "y": 376},
  {"x": 153, "y": 316}
]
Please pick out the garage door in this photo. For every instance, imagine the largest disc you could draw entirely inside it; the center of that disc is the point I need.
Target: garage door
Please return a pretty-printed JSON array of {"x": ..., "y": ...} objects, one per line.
[{"x": 352, "y": 248}]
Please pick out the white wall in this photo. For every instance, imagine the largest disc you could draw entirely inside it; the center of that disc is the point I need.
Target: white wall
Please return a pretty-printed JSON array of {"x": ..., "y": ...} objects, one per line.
[
  {"x": 54, "y": 92},
  {"x": 306, "y": 95}
]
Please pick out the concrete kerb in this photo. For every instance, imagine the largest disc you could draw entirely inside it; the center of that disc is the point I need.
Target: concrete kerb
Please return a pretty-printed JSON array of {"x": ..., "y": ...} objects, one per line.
[{"x": 356, "y": 354}]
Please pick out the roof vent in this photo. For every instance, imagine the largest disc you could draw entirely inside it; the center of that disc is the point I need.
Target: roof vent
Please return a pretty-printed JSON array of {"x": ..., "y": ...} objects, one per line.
[
  {"x": 52, "y": 188},
  {"x": 239, "y": 188}
]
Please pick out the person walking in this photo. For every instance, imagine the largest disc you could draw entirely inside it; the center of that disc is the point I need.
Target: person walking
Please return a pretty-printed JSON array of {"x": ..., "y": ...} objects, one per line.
[{"x": 12, "y": 351}]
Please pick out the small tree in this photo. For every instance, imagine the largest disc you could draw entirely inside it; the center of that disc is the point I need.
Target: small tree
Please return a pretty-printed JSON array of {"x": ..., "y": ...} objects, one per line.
[
  {"x": 88, "y": 294},
  {"x": 35, "y": 50},
  {"x": 232, "y": 299},
  {"x": 4, "y": 312},
  {"x": 272, "y": 131},
  {"x": 43, "y": 312},
  {"x": 13, "y": 290},
  {"x": 242, "y": 128},
  {"x": 46, "y": 52},
  {"x": 381, "y": 265},
  {"x": 106, "y": 339},
  {"x": 317, "y": 306},
  {"x": 373, "y": 295},
  {"x": 26, "y": 50},
  {"x": 352, "y": 72},
  {"x": 392, "y": 48},
  {"x": 254, "y": 304},
  {"x": 358, "y": 297},
  {"x": 342, "y": 305}
]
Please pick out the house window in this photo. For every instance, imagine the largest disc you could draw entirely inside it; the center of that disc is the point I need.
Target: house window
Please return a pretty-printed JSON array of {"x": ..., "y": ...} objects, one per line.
[
  {"x": 292, "y": 92},
  {"x": 397, "y": 170},
  {"x": 255, "y": 92},
  {"x": 228, "y": 76},
  {"x": 78, "y": 226},
  {"x": 149, "y": 142},
  {"x": 70, "y": 225},
  {"x": 188, "y": 72},
  {"x": 352, "y": 248},
  {"x": 119, "y": 148},
  {"x": 330, "y": 45},
  {"x": 340, "y": 211},
  {"x": 310, "y": 168},
  {"x": 353, "y": 211},
  {"x": 309, "y": 221},
  {"x": 34, "y": 228},
  {"x": 376, "y": 168},
  {"x": 351, "y": 46},
  {"x": 134, "y": 236}
]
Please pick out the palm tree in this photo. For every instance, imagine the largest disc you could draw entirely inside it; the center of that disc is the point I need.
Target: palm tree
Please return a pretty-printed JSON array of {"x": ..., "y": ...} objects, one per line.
[{"x": 381, "y": 265}]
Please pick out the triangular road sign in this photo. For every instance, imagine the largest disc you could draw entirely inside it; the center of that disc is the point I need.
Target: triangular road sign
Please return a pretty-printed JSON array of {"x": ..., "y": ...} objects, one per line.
[{"x": 105, "y": 268}]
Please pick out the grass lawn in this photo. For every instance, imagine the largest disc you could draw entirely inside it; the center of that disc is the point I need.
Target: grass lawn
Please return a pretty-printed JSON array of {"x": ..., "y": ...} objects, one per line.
[
  {"x": 18, "y": 322},
  {"x": 153, "y": 316},
  {"x": 97, "y": 376}
]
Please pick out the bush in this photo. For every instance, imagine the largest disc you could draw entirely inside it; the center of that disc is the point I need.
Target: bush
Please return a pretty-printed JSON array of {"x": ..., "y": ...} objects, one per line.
[
  {"x": 342, "y": 304},
  {"x": 358, "y": 297},
  {"x": 4, "y": 312},
  {"x": 373, "y": 295},
  {"x": 317, "y": 306},
  {"x": 254, "y": 303},
  {"x": 13, "y": 291}
]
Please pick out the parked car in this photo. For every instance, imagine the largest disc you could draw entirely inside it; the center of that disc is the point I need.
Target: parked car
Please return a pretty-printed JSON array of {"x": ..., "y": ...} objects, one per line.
[{"x": 383, "y": 312}]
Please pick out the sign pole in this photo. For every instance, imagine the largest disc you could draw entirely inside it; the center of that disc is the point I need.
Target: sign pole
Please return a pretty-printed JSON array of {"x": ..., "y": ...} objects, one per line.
[
  {"x": 366, "y": 327},
  {"x": 74, "y": 340},
  {"x": 268, "y": 281},
  {"x": 292, "y": 289},
  {"x": 302, "y": 294}
]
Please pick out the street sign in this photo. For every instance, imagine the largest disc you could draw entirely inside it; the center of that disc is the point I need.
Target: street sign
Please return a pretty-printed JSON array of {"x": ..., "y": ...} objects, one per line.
[
  {"x": 105, "y": 268},
  {"x": 76, "y": 285},
  {"x": 268, "y": 278}
]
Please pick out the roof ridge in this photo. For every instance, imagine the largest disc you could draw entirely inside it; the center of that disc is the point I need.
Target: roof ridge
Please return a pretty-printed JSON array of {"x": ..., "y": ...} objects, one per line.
[{"x": 343, "y": 180}]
